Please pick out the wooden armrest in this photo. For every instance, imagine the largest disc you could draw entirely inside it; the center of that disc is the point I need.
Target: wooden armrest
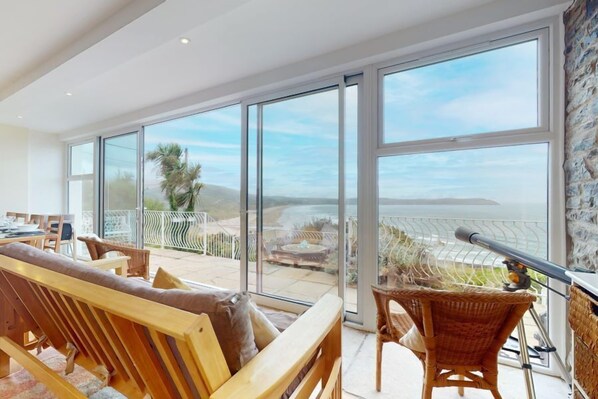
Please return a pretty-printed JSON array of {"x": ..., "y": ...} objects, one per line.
[
  {"x": 269, "y": 373},
  {"x": 110, "y": 263}
]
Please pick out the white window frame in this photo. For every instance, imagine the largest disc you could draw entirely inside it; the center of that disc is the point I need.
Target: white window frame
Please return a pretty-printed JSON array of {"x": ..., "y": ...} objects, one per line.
[
  {"x": 83, "y": 177},
  {"x": 525, "y": 135},
  {"x": 371, "y": 146},
  {"x": 549, "y": 130},
  {"x": 336, "y": 82}
]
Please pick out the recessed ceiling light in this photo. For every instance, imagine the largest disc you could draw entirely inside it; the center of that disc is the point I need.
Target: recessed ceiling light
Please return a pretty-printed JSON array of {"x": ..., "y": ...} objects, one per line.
[
  {"x": 185, "y": 40},
  {"x": 68, "y": 93},
  {"x": 20, "y": 116}
]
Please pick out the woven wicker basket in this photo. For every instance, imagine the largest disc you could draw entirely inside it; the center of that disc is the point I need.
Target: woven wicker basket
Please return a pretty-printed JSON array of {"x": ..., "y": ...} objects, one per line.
[{"x": 583, "y": 317}]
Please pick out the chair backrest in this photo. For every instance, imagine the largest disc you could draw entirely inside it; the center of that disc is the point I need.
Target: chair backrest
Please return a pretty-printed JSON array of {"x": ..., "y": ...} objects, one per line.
[
  {"x": 459, "y": 328},
  {"x": 54, "y": 227},
  {"x": 40, "y": 220},
  {"x": 68, "y": 228},
  {"x": 67, "y": 232},
  {"x": 19, "y": 216}
]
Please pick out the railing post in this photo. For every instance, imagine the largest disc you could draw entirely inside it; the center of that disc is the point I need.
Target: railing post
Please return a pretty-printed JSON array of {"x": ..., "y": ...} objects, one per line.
[
  {"x": 205, "y": 233},
  {"x": 232, "y": 246},
  {"x": 162, "y": 229}
]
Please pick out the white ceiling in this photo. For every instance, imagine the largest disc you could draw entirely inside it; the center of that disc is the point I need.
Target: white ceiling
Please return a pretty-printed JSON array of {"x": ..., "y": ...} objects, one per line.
[{"x": 119, "y": 56}]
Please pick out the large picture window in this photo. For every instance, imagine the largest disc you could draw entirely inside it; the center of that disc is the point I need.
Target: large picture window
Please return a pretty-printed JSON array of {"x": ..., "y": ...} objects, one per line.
[
  {"x": 464, "y": 142},
  {"x": 495, "y": 90}
]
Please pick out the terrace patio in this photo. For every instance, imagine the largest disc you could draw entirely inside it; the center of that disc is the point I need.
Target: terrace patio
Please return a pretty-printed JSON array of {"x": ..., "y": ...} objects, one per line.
[{"x": 298, "y": 283}]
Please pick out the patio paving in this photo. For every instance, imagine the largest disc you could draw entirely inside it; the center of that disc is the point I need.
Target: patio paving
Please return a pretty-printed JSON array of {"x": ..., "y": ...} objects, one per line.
[{"x": 301, "y": 284}]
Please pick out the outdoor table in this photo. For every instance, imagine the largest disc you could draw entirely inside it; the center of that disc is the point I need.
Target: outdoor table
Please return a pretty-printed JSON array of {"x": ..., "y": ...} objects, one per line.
[{"x": 302, "y": 254}]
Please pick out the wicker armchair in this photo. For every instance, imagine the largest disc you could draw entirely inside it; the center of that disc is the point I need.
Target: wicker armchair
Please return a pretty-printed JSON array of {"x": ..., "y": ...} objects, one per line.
[
  {"x": 462, "y": 332},
  {"x": 138, "y": 264}
]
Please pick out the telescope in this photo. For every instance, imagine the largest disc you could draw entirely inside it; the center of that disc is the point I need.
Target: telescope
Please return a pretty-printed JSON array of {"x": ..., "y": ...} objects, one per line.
[
  {"x": 545, "y": 267},
  {"x": 517, "y": 262}
]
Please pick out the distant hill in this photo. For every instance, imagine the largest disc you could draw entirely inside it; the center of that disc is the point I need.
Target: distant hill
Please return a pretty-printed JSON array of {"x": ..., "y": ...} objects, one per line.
[
  {"x": 223, "y": 203},
  {"x": 220, "y": 202}
]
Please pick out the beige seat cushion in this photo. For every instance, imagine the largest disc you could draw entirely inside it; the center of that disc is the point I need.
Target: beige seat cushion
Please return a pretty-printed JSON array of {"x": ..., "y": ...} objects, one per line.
[
  {"x": 228, "y": 311},
  {"x": 413, "y": 340},
  {"x": 264, "y": 331}
]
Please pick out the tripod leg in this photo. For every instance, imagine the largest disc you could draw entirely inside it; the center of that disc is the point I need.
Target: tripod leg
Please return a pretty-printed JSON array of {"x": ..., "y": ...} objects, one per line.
[
  {"x": 544, "y": 334},
  {"x": 524, "y": 360}
]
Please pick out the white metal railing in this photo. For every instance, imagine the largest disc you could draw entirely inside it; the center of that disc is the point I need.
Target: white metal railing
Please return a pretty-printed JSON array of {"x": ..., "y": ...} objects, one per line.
[
  {"x": 424, "y": 245},
  {"x": 192, "y": 231},
  {"x": 429, "y": 246}
]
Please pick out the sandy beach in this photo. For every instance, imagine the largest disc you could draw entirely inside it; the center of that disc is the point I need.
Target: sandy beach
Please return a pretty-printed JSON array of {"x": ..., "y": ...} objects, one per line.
[{"x": 233, "y": 225}]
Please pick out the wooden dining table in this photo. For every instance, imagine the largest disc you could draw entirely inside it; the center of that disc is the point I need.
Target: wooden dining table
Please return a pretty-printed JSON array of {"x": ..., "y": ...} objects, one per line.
[{"x": 35, "y": 239}]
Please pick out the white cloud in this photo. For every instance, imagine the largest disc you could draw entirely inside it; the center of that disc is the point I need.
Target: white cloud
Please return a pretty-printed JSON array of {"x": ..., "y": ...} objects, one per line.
[{"x": 503, "y": 108}]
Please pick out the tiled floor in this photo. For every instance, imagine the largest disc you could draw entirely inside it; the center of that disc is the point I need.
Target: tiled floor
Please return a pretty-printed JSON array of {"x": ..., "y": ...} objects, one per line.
[{"x": 402, "y": 375}]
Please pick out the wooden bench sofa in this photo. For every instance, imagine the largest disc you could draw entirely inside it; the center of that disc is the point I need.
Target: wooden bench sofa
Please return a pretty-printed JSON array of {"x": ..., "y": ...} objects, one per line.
[{"x": 149, "y": 349}]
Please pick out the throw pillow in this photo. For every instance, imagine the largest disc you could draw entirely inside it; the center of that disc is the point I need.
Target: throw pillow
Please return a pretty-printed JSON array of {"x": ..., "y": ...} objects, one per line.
[
  {"x": 167, "y": 281},
  {"x": 264, "y": 331}
]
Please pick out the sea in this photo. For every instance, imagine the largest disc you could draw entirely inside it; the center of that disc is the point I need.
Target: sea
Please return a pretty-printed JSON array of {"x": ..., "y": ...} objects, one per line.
[
  {"x": 298, "y": 215},
  {"x": 522, "y": 226}
]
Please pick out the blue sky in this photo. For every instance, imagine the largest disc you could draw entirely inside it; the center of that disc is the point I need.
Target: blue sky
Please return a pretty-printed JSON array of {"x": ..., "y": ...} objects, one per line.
[
  {"x": 491, "y": 91},
  {"x": 487, "y": 92},
  {"x": 213, "y": 139},
  {"x": 300, "y": 145}
]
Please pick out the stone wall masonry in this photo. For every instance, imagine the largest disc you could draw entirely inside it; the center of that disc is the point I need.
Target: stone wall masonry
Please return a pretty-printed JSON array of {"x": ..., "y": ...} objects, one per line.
[{"x": 581, "y": 133}]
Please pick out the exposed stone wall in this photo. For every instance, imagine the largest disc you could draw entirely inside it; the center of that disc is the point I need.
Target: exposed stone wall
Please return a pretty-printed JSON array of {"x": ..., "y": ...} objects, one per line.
[{"x": 581, "y": 132}]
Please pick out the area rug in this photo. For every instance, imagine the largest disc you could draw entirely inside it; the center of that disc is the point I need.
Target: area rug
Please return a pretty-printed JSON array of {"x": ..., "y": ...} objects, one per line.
[{"x": 22, "y": 385}]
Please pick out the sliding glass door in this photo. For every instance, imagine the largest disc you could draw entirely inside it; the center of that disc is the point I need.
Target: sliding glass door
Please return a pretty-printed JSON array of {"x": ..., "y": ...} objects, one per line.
[
  {"x": 120, "y": 183},
  {"x": 294, "y": 195},
  {"x": 191, "y": 196}
]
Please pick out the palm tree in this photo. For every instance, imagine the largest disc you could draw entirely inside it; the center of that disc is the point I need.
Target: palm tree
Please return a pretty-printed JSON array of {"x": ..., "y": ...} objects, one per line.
[
  {"x": 180, "y": 179},
  {"x": 190, "y": 186},
  {"x": 180, "y": 183}
]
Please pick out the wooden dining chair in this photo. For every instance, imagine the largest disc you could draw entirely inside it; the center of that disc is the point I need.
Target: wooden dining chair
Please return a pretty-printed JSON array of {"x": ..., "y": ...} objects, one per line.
[
  {"x": 69, "y": 236},
  {"x": 40, "y": 220},
  {"x": 54, "y": 225},
  {"x": 461, "y": 332},
  {"x": 24, "y": 217}
]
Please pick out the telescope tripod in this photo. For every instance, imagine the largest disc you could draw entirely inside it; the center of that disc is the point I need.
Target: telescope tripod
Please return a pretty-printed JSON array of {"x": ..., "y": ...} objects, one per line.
[{"x": 521, "y": 280}]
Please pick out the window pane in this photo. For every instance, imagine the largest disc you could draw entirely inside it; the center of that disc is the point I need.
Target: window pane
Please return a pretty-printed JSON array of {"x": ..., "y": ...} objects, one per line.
[
  {"x": 191, "y": 196},
  {"x": 298, "y": 154},
  {"x": 500, "y": 193},
  {"x": 82, "y": 159},
  {"x": 120, "y": 188},
  {"x": 81, "y": 205},
  {"x": 496, "y": 90}
]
